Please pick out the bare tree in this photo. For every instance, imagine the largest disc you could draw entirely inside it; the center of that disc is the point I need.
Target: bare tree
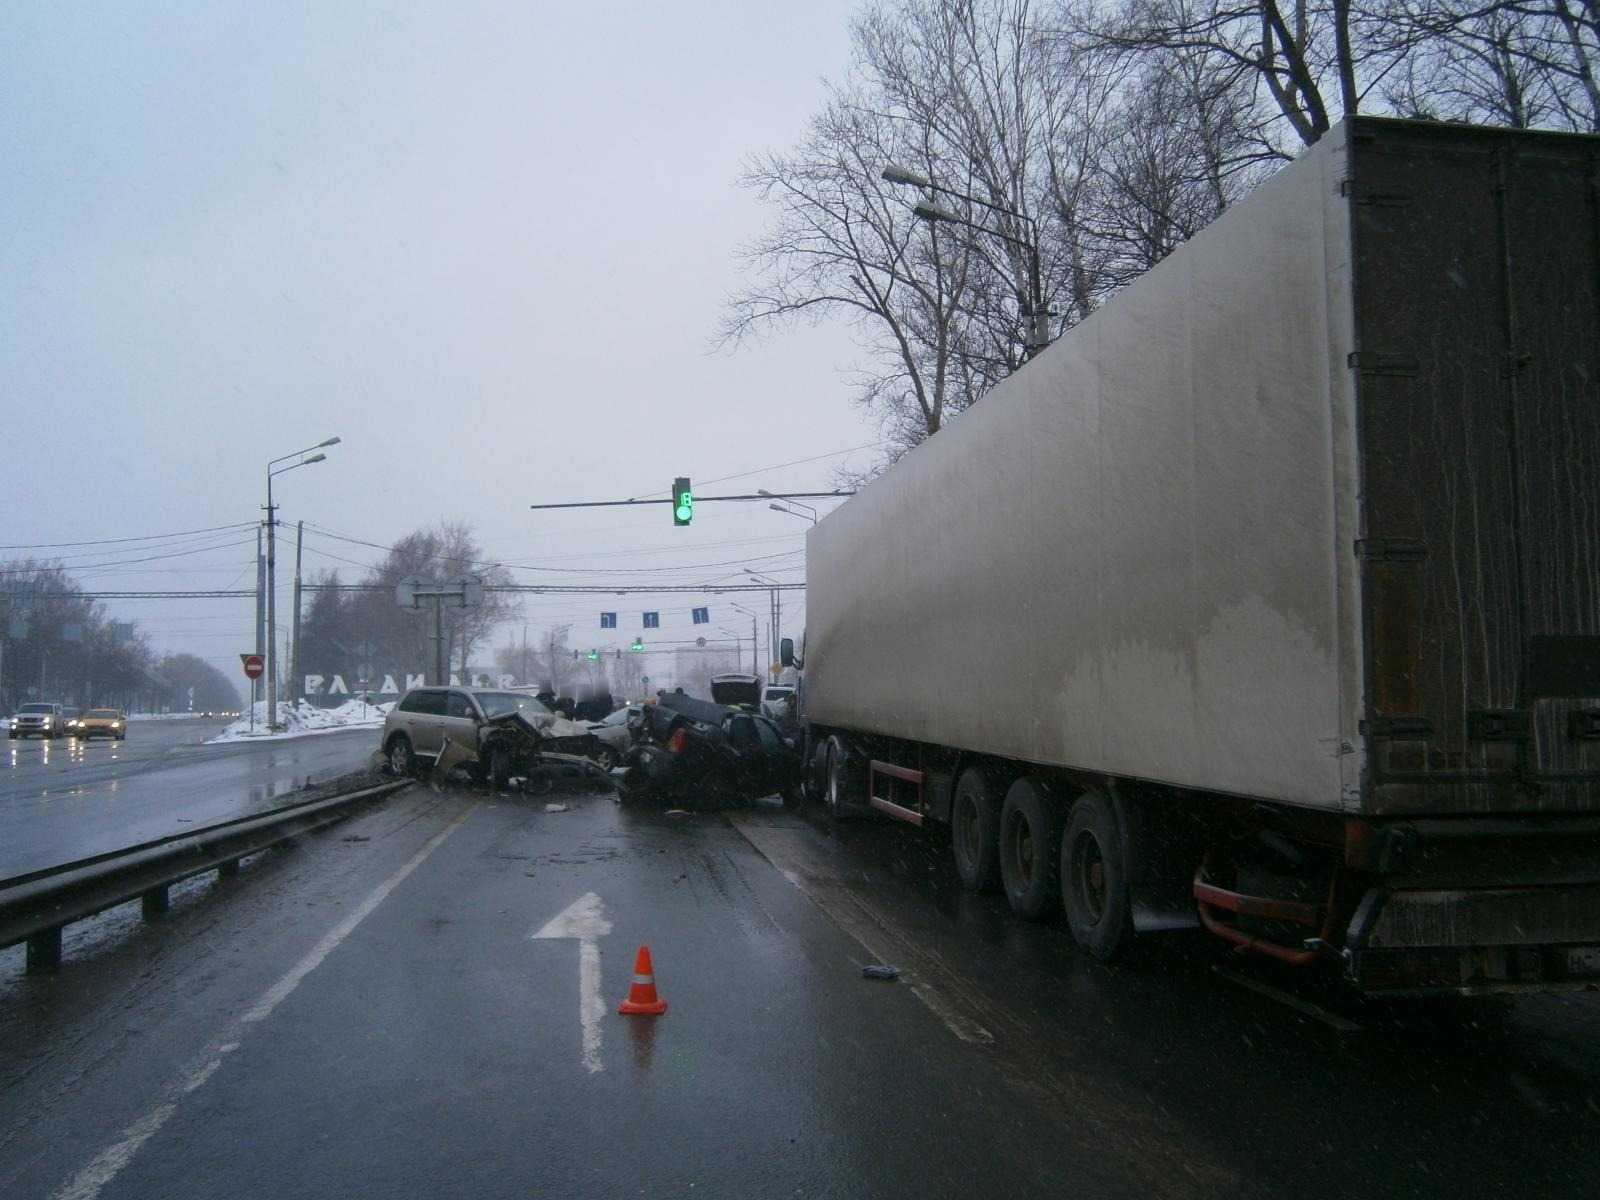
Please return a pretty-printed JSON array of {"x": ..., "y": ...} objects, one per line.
[
  {"x": 1303, "y": 54},
  {"x": 1526, "y": 65},
  {"x": 555, "y": 659},
  {"x": 366, "y": 625},
  {"x": 844, "y": 243}
]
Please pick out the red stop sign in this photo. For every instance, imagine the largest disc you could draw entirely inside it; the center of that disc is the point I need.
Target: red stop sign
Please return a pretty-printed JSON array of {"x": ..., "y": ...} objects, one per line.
[{"x": 254, "y": 664}]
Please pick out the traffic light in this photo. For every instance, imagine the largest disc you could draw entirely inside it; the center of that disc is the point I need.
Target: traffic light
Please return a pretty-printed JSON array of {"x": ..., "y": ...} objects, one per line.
[
  {"x": 682, "y": 501},
  {"x": 594, "y": 656},
  {"x": 638, "y": 644}
]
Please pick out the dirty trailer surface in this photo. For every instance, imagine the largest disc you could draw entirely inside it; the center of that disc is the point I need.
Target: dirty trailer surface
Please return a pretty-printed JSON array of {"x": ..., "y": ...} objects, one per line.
[{"x": 372, "y": 1014}]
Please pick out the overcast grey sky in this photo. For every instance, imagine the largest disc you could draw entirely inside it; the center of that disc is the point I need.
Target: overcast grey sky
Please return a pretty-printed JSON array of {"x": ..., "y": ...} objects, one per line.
[{"x": 485, "y": 244}]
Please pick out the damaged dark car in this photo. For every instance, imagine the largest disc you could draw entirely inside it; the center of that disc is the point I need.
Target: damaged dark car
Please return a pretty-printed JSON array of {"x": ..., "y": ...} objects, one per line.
[{"x": 694, "y": 753}]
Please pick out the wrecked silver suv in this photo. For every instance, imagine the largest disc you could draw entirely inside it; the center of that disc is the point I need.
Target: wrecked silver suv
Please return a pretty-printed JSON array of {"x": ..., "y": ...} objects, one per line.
[{"x": 494, "y": 733}]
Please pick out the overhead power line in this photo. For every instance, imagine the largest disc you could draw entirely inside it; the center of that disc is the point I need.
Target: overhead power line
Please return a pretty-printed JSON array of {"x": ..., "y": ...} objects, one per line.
[
  {"x": 512, "y": 566},
  {"x": 776, "y": 467},
  {"x": 536, "y": 589},
  {"x": 147, "y": 537}
]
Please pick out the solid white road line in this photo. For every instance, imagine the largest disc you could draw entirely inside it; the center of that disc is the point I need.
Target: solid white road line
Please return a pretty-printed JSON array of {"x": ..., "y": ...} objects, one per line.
[
  {"x": 591, "y": 1007},
  {"x": 104, "y": 1167}
]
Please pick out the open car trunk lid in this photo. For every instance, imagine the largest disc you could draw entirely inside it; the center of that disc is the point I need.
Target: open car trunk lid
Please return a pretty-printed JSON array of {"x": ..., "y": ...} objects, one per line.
[{"x": 736, "y": 689}]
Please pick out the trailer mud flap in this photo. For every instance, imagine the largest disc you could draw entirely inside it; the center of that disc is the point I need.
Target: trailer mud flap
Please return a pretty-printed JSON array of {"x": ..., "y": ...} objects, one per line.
[{"x": 1162, "y": 853}]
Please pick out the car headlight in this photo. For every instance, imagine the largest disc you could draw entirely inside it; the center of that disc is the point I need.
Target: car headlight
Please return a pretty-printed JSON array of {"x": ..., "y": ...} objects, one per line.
[
  {"x": 116, "y": 724},
  {"x": 47, "y": 721}
]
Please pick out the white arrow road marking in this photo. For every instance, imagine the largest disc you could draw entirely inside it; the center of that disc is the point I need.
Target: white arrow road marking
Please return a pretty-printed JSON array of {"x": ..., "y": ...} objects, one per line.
[{"x": 584, "y": 919}]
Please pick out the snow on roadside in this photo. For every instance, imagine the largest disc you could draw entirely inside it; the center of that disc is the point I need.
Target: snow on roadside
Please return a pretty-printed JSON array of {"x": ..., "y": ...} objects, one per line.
[{"x": 302, "y": 719}]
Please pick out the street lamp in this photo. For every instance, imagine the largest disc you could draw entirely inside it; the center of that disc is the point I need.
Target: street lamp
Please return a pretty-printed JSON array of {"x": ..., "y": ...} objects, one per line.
[
  {"x": 775, "y": 604},
  {"x": 786, "y": 500},
  {"x": 1032, "y": 305},
  {"x": 754, "y": 669},
  {"x": 738, "y": 642},
  {"x": 272, "y": 563}
]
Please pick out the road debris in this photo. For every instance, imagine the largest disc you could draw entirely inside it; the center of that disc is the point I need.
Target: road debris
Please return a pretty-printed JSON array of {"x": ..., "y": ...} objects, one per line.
[
  {"x": 880, "y": 971},
  {"x": 555, "y": 808}
]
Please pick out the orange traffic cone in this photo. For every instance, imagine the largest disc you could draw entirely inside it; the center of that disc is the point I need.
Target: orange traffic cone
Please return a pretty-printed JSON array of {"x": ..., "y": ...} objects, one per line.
[{"x": 642, "y": 999}]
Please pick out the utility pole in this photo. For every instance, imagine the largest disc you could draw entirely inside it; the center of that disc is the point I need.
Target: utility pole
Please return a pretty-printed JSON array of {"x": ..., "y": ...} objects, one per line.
[
  {"x": 272, "y": 568},
  {"x": 524, "y": 653},
  {"x": 441, "y": 674},
  {"x": 272, "y": 611},
  {"x": 295, "y": 678},
  {"x": 261, "y": 620},
  {"x": 466, "y": 592}
]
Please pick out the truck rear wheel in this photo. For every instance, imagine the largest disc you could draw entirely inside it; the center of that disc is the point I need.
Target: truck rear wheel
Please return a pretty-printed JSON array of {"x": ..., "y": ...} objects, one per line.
[
  {"x": 975, "y": 831},
  {"x": 1094, "y": 878},
  {"x": 1030, "y": 849},
  {"x": 843, "y": 794}
]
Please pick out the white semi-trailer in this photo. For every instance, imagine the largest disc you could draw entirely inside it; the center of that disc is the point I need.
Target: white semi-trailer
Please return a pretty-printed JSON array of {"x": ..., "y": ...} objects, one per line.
[{"x": 1267, "y": 598}]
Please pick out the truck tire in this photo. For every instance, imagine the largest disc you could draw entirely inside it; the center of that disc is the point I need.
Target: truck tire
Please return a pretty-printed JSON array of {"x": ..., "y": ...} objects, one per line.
[
  {"x": 846, "y": 783},
  {"x": 1095, "y": 878},
  {"x": 975, "y": 831},
  {"x": 1030, "y": 849}
]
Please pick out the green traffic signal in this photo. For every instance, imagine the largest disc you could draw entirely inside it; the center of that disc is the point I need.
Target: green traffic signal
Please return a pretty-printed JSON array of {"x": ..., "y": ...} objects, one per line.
[
  {"x": 682, "y": 501},
  {"x": 638, "y": 644},
  {"x": 593, "y": 655}
]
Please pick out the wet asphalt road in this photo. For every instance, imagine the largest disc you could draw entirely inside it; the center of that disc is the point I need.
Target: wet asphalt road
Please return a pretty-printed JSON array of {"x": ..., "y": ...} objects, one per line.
[
  {"x": 368, "y": 1014},
  {"x": 68, "y": 799}
]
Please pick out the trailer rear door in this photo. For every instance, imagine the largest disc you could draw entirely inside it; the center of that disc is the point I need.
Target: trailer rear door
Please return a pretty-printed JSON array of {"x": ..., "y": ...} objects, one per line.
[{"x": 1477, "y": 267}]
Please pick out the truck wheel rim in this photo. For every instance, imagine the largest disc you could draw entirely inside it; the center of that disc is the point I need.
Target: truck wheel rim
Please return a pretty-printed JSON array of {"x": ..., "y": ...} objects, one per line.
[
  {"x": 969, "y": 828},
  {"x": 1089, "y": 875},
  {"x": 1024, "y": 852}
]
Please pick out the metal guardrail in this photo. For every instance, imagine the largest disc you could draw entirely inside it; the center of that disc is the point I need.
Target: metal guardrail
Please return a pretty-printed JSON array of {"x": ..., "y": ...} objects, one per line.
[{"x": 35, "y": 907}]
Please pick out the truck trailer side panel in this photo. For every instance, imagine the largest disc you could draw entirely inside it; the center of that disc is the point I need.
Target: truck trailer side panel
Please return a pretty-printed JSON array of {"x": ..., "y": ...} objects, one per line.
[{"x": 1135, "y": 556}]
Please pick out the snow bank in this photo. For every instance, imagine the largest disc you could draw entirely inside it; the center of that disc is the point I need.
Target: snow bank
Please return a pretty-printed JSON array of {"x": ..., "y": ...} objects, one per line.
[{"x": 302, "y": 719}]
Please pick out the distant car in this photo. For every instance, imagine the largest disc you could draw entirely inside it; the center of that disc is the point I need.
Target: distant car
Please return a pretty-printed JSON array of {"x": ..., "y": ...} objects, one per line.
[
  {"x": 40, "y": 720},
  {"x": 615, "y": 734},
  {"x": 778, "y": 704},
  {"x": 101, "y": 722},
  {"x": 477, "y": 724}
]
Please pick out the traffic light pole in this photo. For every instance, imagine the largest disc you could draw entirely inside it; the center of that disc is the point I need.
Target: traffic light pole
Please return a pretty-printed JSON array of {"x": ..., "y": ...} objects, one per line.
[{"x": 697, "y": 499}]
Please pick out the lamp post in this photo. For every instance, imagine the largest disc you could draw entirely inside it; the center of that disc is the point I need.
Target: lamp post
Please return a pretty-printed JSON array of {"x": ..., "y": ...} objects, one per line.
[
  {"x": 775, "y": 628},
  {"x": 1032, "y": 305},
  {"x": 780, "y": 508},
  {"x": 754, "y": 670},
  {"x": 738, "y": 642},
  {"x": 272, "y": 578}
]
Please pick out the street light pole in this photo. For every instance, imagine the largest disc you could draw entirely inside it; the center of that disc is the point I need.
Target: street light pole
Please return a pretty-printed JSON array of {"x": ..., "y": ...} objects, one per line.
[
  {"x": 1038, "y": 336},
  {"x": 754, "y": 670},
  {"x": 272, "y": 577},
  {"x": 775, "y": 603},
  {"x": 780, "y": 508}
]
